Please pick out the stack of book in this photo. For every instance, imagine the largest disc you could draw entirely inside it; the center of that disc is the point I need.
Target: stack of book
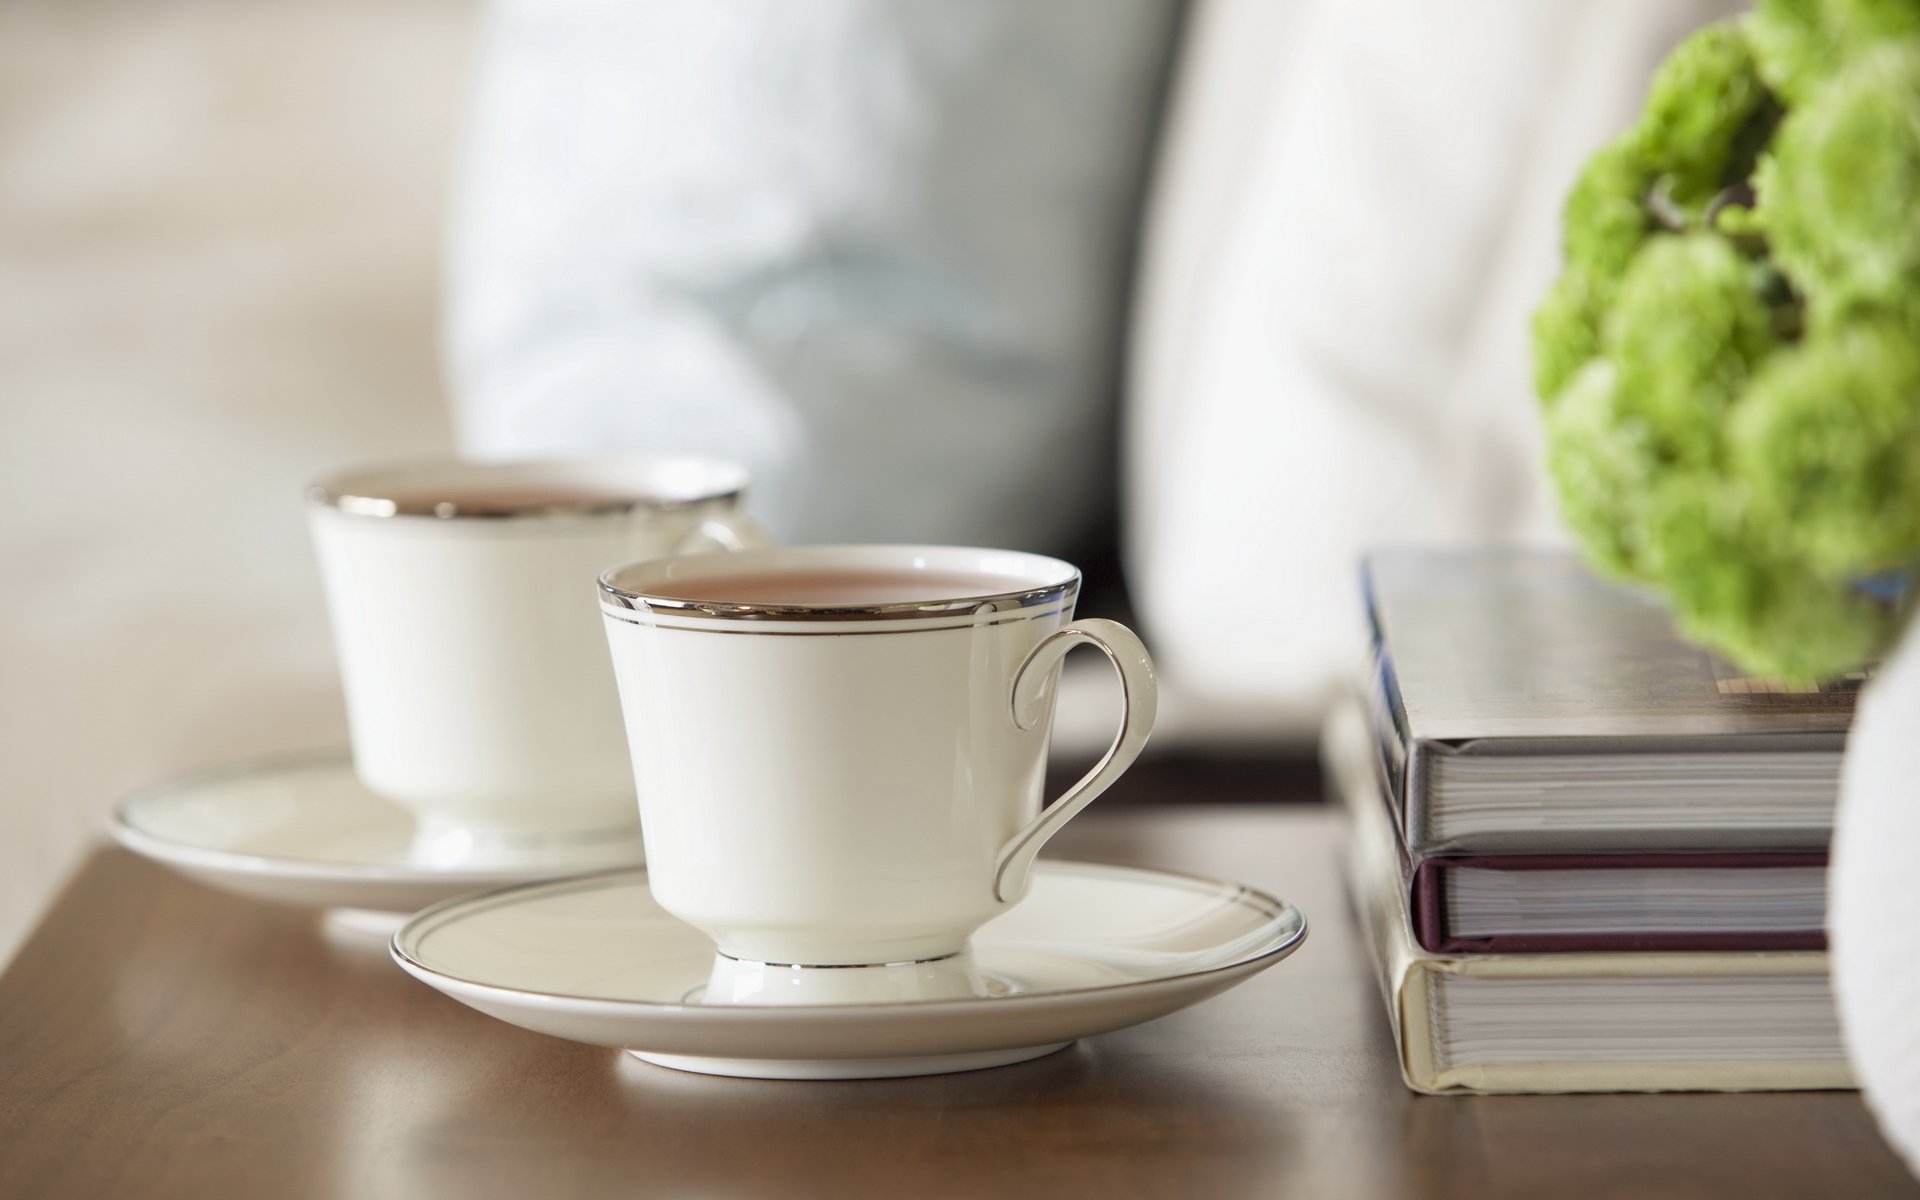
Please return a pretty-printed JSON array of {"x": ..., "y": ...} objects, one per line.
[{"x": 1588, "y": 856}]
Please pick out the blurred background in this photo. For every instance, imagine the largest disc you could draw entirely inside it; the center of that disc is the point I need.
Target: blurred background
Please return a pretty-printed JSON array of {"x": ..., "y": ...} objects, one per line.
[
  {"x": 1208, "y": 297},
  {"x": 220, "y": 244}
]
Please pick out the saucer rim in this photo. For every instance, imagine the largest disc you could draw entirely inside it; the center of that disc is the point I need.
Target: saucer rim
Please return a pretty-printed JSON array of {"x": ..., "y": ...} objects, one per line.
[
  {"x": 187, "y": 855},
  {"x": 1277, "y": 906}
]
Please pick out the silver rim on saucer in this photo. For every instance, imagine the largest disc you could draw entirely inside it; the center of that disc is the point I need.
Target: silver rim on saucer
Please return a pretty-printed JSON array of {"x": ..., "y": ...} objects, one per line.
[{"x": 392, "y": 881}]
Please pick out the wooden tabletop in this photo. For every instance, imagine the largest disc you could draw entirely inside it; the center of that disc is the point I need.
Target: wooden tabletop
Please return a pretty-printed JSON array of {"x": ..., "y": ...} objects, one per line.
[{"x": 159, "y": 1039}]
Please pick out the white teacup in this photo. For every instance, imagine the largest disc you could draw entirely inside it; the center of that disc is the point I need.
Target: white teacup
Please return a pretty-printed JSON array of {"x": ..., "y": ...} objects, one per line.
[
  {"x": 839, "y": 750},
  {"x": 478, "y": 689}
]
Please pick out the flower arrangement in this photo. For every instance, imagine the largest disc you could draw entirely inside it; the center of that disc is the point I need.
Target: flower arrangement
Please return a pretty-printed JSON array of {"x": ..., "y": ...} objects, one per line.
[{"x": 1730, "y": 359}]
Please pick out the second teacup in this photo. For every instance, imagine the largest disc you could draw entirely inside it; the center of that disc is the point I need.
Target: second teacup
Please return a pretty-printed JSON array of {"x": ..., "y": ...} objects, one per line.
[
  {"x": 839, "y": 750},
  {"x": 477, "y": 684}
]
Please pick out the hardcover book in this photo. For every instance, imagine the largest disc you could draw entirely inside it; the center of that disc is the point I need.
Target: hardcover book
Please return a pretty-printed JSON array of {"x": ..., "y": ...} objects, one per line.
[
  {"x": 1572, "y": 903},
  {"x": 1581, "y": 903},
  {"x": 1524, "y": 706}
]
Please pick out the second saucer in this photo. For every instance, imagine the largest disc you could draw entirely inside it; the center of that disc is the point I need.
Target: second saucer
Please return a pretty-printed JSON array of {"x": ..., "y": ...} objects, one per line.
[{"x": 304, "y": 830}]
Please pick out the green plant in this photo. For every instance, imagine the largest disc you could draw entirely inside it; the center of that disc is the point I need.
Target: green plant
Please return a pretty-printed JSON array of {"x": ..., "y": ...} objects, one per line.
[{"x": 1730, "y": 359}]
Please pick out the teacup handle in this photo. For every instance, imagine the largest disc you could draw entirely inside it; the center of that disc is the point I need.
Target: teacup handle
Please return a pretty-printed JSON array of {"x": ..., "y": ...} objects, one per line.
[
  {"x": 729, "y": 534},
  {"x": 1139, "y": 697}
]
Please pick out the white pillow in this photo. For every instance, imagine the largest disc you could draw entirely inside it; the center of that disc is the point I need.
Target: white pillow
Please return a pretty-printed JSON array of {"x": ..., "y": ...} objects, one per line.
[
  {"x": 872, "y": 248},
  {"x": 1355, "y": 213}
]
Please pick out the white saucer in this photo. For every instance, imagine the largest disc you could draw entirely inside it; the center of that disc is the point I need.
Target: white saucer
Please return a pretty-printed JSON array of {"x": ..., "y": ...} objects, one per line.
[
  {"x": 1091, "y": 949},
  {"x": 304, "y": 831}
]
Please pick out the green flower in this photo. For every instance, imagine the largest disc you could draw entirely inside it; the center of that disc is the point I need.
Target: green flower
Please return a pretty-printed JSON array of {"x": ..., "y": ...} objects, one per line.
[
  {"x": 1603, "y": 464},
  {"x": 1734, "y": 587},
  {"x": 1837, "y": 189},
  {"x": 1705, "y": 116},
  {"x": 1566, "y": 332},
  {"x": 1686, "y": 328},
  {"x": 1731, "y": 358},
  {"x": 1827, "y": 441},
  {"x": 1605, "y": 220},
  {"x": 1801, "y": 44}
]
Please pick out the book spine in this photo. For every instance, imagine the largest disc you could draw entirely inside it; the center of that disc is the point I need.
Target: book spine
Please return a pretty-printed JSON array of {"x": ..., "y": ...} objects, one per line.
[
  {"x": 1403, "y": 773},
  {"x": 1401, "y": 764}
]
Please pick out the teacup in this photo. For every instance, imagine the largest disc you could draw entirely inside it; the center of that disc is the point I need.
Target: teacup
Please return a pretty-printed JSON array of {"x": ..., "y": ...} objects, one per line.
[
  {"x": 839, "y": 750},
  {"x": 477, "y": 684}
]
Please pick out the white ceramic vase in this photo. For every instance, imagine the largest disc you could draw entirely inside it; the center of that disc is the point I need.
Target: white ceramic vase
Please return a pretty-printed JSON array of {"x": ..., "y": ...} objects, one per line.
[{"x": 1874, "y": 897}]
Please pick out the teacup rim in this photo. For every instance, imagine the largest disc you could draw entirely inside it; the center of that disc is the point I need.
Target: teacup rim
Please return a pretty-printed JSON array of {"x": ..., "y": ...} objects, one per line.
[
  {"x": 1058, "y": 583},
  {"x": 356, "y": 490}
]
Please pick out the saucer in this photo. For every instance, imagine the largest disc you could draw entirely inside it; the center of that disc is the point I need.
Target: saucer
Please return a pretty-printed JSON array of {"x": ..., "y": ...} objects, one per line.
[
  {"x": 1091, "y": 949},
  {"x": 305, "y": 831}
]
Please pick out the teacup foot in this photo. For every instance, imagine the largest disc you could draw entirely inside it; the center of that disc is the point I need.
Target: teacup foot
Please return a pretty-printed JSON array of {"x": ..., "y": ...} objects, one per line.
[
  {"x": 363, "y": 928},
  {"x": 849, "y": 1068},
  {"x": 451, "y": 845},
  {"x": 743, "y": 981}
]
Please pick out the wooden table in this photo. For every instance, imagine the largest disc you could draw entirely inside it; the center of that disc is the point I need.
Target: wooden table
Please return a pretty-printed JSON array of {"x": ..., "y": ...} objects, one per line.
[{"x": 158, "y": 1039}]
